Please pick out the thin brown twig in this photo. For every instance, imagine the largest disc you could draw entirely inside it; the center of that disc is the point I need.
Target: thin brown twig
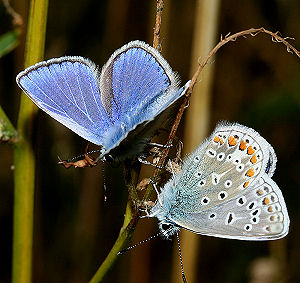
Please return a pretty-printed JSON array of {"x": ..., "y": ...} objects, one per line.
[
  {"x": 156, "y": 33},
  {"x": 17, "y": 19},
  {"x": 222, "y": 42}
]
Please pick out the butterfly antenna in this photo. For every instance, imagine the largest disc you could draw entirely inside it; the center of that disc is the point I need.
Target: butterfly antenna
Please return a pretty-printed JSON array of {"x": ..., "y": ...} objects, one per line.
[
  {"x": 104, "y": 179},
  {"x": 173, "y": 172},
  {"x": 82, "y": 155},
  {"x": 157, "y": 192},
  {"x": 180, "y": 257},
  {"x": 137, "y": 244}
]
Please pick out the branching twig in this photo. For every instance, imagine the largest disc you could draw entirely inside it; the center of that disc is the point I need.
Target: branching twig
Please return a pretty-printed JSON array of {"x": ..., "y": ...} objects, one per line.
[
  {"x": 17, "y": 19},
  {"x": 223, "y": 41},
  {"x": 156, "y": 37}
]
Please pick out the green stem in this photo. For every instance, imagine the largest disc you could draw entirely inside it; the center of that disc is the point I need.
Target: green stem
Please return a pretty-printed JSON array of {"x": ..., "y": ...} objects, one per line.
[
  {"x": 124, "y": 236},
  {"x": 7, "y": 131},
  {"x": 131, "y": 173},
  {"x": 23, "y": 153}
]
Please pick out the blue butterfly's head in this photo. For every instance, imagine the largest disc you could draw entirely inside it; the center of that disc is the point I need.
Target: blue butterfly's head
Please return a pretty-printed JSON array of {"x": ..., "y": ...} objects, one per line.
[{"x": 113, "y": 161}]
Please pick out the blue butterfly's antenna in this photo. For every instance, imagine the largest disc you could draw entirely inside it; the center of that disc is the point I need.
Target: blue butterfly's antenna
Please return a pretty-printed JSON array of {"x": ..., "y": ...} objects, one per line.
[
  {"x": 104, "y": 180},
  {"x": 137, "y": 244},
  {"x": 180, "y": 257}
]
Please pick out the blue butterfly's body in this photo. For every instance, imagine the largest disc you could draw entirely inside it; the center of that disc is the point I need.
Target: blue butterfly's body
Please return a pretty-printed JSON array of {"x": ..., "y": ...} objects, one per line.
[{"x": 120, "y": 107}]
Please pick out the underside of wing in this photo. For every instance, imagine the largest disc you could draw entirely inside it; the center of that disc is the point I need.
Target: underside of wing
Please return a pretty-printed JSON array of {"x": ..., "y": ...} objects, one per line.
[
  {"x": 224, "y": 166},
  {"x": 259, "y": 214}
]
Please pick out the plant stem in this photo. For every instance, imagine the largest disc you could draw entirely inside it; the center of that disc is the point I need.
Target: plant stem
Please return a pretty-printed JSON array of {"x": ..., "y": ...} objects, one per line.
[
  {"x": 7, "y": 131},
  {"x": 131, "y": 173},
  {"x": 122, "y": 240},
  {"x": 23, "y": 153}
]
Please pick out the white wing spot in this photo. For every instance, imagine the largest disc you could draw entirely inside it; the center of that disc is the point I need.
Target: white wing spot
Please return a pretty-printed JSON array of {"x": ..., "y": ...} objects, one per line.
[
  {"x": 202, "y": 183},
  {"x": 215, "y": 178},
  {"x": 229, "y": 157},
  {"x": 252, "y": 205},
  {"x": 255, "y": 220},
  {"x": 267, "y": 189},
  {"x": 221, "y": 156},
  {"x": 240, "y": 167},
  {"x": 222, "y": 195},
  {"x": 273, "y": 197},
  {"x": 248, "y": 139},
  {"x": 198, "y": 174},
  {"x": 230, "y": 218},
  {"x": 228, "y": 184},
  {"x": 196, "y": 159},
  {"x": 212, "y": 216},
  {"x": 248, "y": 227},
  {"x": 256, "y": 212},
  {"x": 241, "y": 201},
  {"x": 211, "y": 153},
  {"x": 205, "y": 200}
]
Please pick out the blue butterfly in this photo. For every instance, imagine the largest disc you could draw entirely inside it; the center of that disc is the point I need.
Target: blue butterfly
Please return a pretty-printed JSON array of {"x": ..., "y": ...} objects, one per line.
[{"x": 119, "y": 107}]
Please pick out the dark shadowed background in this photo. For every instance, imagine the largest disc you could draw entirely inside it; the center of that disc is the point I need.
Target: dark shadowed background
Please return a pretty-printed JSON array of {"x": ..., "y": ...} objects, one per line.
[{"x": 255, "y": 82}]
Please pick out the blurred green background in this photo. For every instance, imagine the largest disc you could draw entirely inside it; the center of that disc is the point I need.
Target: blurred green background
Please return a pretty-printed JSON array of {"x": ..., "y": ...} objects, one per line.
[{"x": 255, "y": 82}]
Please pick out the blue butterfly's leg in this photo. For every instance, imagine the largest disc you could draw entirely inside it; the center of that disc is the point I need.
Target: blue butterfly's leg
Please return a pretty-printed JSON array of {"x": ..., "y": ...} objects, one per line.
[
  {"x": 144, "y": 161},
  {"x": 160, "y": 145}
]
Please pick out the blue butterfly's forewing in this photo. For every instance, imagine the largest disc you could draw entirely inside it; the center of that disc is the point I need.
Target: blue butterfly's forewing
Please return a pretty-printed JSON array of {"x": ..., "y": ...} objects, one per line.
[
  {"x": 135, "y": 75},
  {"x": 137, "y": 85},
  {"x": 66, "y": 89}
]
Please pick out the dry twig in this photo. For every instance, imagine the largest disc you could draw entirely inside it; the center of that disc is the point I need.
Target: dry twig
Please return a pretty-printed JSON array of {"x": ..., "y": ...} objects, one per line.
[{"x": 228, "y": 38}]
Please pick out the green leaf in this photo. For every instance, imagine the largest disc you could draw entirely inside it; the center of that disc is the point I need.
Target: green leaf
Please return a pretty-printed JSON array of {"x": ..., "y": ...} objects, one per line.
[{"x": 8, "y": 42}]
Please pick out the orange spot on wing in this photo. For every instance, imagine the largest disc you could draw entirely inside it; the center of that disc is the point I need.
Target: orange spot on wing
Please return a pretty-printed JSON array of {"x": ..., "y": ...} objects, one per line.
[
  {"x": 270, "y": 209},
  {"x": 272, "y": 218},
  {"x": 250, "y": 172},
  {"x": 216, "y": 139},
  {"x": 250, "y": 150},
  {"x": 232, "y": 141},
  {"x": 221, "y": 141},
  {"x": 253, "y": 159},
  {"x": 260, "y": 192},
  {"x": 243, "y": 145},
  {"x": 266, "y": 201},
  {"x": 246, "y": 184}
]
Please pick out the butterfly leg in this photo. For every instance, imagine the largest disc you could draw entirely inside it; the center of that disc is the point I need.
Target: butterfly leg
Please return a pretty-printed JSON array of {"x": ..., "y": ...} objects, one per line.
[
  {"x": 154, "y": 152},
  {"x": 160, "y": 145},
  {"x": 146, "y": 207},
  {"x": 146, "y": 162}
]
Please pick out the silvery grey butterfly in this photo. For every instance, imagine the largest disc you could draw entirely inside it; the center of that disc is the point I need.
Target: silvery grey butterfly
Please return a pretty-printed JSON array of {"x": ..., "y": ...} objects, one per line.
[{"x": 225, "y": 189}]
